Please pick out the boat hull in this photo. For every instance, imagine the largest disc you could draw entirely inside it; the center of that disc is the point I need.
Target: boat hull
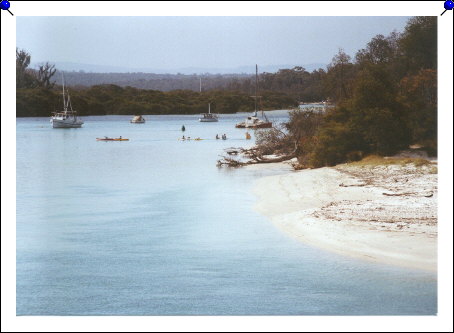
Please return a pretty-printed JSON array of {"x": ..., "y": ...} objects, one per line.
[
  {"x": 262, "y": 125},
  {"x": 56, "y": 123},
  {"x": 207, "y": 120}
]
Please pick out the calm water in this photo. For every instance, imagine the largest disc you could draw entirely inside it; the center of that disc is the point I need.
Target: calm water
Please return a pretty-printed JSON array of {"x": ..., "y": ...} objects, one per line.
[{"x": 153, "y": 227}]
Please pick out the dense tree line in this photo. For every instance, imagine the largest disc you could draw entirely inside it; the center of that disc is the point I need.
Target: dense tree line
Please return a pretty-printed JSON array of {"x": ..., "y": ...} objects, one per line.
[
  {"x": 151, "y": 81},
  {"x": 38, "y": 95},
  {"x": 296, "y": 82},
  {"x": 112, "y": 99},
  {"x": 386, "y": 99}
]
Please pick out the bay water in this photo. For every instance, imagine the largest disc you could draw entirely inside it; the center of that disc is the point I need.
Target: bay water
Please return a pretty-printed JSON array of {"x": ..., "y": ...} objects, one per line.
[{"x": 151, "y": 226}]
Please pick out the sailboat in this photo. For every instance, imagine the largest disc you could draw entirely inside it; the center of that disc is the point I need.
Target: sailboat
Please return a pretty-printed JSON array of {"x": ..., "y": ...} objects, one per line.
[
  {"x": 253, "y": 121},
  {"x": 68, "y": 117},
  {"x": 208, "y": 117}
]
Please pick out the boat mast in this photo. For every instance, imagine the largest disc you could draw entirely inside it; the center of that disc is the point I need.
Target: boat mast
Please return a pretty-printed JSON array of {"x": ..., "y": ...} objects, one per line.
[
  {"x": 256, "y": 83},
  {"x": 260, "y": 100},
  {"x": 65, "y": 108},
  {"x": 200, "y": 87},
  {"x": 209, "y": 107}
]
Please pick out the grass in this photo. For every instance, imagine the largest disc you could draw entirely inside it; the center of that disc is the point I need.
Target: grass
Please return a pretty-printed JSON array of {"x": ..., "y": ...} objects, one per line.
[
  {"x": 433, "y": 170},
  {"x": 375, "y": 160}
]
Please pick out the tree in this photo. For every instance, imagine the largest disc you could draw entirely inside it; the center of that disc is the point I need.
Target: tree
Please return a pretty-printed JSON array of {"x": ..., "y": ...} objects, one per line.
[
  {"x": 380, "y": 50},
  {"x": 44, "y": 75},
  {"x": 24, "y": 76},
  {"x": 339, "y": 77},
  {"x": 22, "y": 60},
  {"x": 377, "y": 112},
  {"x": 419, "y": 95},
  {"x": 419, "y": 43}
]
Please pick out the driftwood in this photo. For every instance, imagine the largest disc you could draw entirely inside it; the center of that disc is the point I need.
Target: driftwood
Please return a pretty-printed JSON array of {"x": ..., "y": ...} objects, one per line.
[
  {"x": 230, "y": 162},
  {"x": 256, "y": 154},
  {"x": 398, "y": 194},
  {"x": 354, "y": 185},
  {"x": 406, "y": 193},
  {"x": 254, "y": 157}
]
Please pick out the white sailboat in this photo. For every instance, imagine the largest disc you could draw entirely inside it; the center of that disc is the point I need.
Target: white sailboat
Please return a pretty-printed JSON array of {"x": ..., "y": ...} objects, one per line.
[
  {"x": 208, "y": 117},
  {"x": 68, "y": 117},
  {"x": 254, "y": 121}
]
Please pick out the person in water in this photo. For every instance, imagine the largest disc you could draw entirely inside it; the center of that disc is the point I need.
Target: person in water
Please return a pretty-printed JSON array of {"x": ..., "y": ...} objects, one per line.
[
  {"x": 183, "y": 138},
  {"x": 183, "y": 128},
  {"x": 217, "y": 137}
]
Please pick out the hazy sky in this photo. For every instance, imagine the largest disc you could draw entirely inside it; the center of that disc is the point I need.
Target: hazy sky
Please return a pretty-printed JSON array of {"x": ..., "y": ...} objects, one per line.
[{"x": 207, "y": 42}]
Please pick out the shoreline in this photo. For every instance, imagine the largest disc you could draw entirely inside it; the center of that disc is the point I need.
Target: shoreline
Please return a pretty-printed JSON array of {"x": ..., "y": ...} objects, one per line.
[{"x": 380, "y": 213}]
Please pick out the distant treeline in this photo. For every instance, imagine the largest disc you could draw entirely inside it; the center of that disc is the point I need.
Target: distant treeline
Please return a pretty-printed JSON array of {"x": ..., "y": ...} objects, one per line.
[
  {"x": 296, "y": 82},
  {"x": 159, "y": 95},
  {"x": 151, "y": 81},
  {"x": 112, "y": 99}
]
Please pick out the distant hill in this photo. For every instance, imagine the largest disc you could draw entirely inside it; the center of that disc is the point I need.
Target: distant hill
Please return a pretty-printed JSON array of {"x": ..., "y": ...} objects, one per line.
[
  {"x": 84, "y": 75},
  {"x": 250, "y": 69},
  {"x": 151, "y": 81}
]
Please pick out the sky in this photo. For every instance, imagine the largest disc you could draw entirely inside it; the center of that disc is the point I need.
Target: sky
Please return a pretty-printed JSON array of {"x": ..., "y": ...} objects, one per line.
[{"x": 159, "y": 42}]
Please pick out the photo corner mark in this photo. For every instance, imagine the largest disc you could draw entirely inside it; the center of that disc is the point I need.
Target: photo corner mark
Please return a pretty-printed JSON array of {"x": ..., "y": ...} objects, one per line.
[{"x": 4, "y": 5}]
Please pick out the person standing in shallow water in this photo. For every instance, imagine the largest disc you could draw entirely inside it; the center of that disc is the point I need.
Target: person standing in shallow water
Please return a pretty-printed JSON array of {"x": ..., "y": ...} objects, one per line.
[{"x": 183, "y": 128}]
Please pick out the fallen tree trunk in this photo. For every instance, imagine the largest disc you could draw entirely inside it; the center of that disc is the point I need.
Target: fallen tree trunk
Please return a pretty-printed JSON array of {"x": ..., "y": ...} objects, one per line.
[
  {"x": 275, "y": 159},
  {"x": 254, "y": 157}
]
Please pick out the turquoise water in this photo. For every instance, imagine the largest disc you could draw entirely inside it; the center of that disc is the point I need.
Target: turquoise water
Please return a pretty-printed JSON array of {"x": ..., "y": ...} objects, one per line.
[{"x": 152, "y": 227}]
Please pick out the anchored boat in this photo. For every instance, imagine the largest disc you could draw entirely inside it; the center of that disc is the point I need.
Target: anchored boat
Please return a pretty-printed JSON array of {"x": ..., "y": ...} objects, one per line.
[
  {"x": 68, "y": 117},
  {"x": 253, "y": 121},
  {"x": 208, "y": 117},
  {"x": 137, "y": 120}
]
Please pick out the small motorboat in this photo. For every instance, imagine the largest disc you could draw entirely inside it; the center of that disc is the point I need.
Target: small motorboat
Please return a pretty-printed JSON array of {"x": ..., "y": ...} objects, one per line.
[
  {"x": 111, "y": 139},
  {"x": 137, "y": 120}
]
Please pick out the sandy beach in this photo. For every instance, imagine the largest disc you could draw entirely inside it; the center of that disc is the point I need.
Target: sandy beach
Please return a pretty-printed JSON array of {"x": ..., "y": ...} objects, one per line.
[{"x": 380, "y": 213}]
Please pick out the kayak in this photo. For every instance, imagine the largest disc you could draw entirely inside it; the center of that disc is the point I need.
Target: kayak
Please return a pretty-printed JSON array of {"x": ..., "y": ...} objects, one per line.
[
  {"x": 196, "y": 139},
  {"x": 111, "y": 139}
]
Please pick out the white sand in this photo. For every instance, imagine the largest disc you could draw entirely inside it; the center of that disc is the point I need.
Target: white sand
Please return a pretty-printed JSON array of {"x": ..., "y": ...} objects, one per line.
[{"x": 356, "y": 218}]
